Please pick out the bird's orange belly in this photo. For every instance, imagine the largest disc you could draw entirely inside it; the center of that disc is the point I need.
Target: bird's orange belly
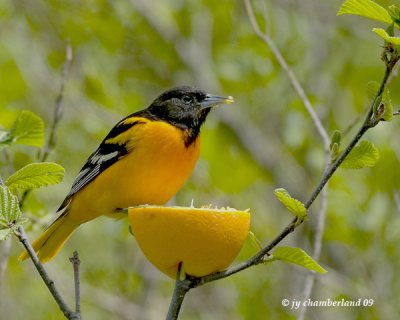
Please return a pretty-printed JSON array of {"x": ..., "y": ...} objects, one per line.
[{"x": 151, "y": 173}]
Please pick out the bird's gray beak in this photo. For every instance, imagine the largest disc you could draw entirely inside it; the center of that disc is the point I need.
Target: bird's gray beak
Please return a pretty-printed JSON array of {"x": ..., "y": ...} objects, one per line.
[{"x": 213, "y": 100}]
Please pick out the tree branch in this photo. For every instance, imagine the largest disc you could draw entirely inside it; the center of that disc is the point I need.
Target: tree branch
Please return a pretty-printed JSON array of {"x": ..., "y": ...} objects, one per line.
[
  {"x": 68, "y": 313},
  {"x": 49, "y": 282},
  {"x": 180, "y": 290},
  {"x": 46, "y": 279},
  {"x": 58, "y": 107},
  {"x": 390, "y": 58},
  {"x": 319, "y": 232},
  {"x": 75, "y": 263},
  {"x": 292, "y": 77}
]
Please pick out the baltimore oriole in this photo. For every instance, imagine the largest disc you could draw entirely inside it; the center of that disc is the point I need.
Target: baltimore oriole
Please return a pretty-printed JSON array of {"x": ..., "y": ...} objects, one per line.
[{"x": 144, "y": 159}]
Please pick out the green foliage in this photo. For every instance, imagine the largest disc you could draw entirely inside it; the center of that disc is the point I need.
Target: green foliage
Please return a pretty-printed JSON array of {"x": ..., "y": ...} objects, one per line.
[
  {"x": 297, "y": 256},
  {"x": 372, "y": 10},
  {"x": 384, "y": 102},
  {"x": 254, "y": 240},
  {"x": 394, "y": 13},
  {"x": 385, "y": 36},
  {"x": 293, "y": 205},
  {"x": 335, "y": 144},
  {"x": 336, "y": 138},
  {"x": 36, "y": 175},
  {"x": 28, "y": 129},
  {"x": 10, "y": 213},
  {"x": 362, "y": 156},
  {"x": 365, "y": 8}
]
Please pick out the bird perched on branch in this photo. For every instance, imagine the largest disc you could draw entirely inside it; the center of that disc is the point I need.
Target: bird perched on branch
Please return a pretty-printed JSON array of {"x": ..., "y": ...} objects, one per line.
[{"x": 144, "y": 159}]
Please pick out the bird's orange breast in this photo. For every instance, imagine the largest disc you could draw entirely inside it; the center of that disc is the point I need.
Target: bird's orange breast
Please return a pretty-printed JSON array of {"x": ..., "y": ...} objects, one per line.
[{"x": 156, "y": 167}]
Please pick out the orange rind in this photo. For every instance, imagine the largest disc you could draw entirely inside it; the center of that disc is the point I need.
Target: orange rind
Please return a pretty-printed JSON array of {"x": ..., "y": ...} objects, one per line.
[{"x": 203, "y": 240}]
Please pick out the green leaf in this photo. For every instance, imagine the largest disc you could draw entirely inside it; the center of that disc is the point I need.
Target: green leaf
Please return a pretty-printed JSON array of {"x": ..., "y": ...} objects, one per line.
[
  {"x": 28, "y": 129},
  {"x": 386, "y": 101},
  {"x": 297, "y": 256},
  {"x": 390, "y": 30},
  {"x": 365, "y": 8},
  {"x": 362, "y": 156},
  {"x": 254, "y": 240},
  {"x": 385, "y": 36},
  {"x": 36, "y": 175},
  {"x": 9, "y": 207},
  {"x": 293, "y": 205},
  {"x": 335, "y": 144},
  {"x": 394, "y": 13},
  {"x": 387, "y": 114},
  {"x": 336, "y": 137}
]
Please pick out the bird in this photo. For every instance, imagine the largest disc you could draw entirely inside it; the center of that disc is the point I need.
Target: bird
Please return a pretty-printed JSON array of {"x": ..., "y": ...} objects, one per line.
[{"x": 145, "y": 159}]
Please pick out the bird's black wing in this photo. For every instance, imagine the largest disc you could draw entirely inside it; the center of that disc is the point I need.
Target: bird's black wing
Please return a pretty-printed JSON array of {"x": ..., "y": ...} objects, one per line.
[{"x": 105, "y": 155}]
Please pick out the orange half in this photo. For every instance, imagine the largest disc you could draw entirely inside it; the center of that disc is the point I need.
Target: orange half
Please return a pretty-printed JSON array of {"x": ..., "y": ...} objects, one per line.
[{"x": 205, "y": 240}]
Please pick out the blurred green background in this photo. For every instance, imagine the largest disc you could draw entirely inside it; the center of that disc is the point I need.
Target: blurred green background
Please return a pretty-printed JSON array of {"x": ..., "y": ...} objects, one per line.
[{"x": 125, "y": 54}]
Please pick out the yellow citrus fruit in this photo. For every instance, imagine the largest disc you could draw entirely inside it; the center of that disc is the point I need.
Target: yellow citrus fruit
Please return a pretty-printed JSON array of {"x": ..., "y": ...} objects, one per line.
[{"x": 205, "y": 240}]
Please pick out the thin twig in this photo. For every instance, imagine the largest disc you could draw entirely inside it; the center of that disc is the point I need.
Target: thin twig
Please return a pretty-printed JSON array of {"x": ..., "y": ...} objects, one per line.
[
  {"x": 292, "y": 78},
  {"x": 319, "y": 232},
  {"x": 57, "y": 115},
  {"x": 49, "y": 146},
  {"x": 68, "y": 313},
  {"x": 75, "y": 263},
  {"x": 46, "y": 279},
  {"x": 182, "y": 286},
  {"x": 58, "y": 107},
  {"x": 119, "y": 306}
]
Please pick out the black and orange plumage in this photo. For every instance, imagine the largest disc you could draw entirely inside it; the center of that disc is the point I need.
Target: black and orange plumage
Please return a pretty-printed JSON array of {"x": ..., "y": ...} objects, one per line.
[{"x": 144, "y": 159}]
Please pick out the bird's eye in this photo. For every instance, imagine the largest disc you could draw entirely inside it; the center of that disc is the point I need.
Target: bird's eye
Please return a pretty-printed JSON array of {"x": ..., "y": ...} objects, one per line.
[{"x": 187, "y": 99}]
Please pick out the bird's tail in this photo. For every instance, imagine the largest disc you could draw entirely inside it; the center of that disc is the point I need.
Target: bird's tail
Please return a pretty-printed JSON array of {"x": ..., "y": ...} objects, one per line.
[{"x": 52, "y": 239}]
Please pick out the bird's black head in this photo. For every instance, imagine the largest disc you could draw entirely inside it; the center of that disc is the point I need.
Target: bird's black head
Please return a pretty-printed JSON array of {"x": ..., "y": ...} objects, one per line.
[{"x": 186, "y": 108}]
